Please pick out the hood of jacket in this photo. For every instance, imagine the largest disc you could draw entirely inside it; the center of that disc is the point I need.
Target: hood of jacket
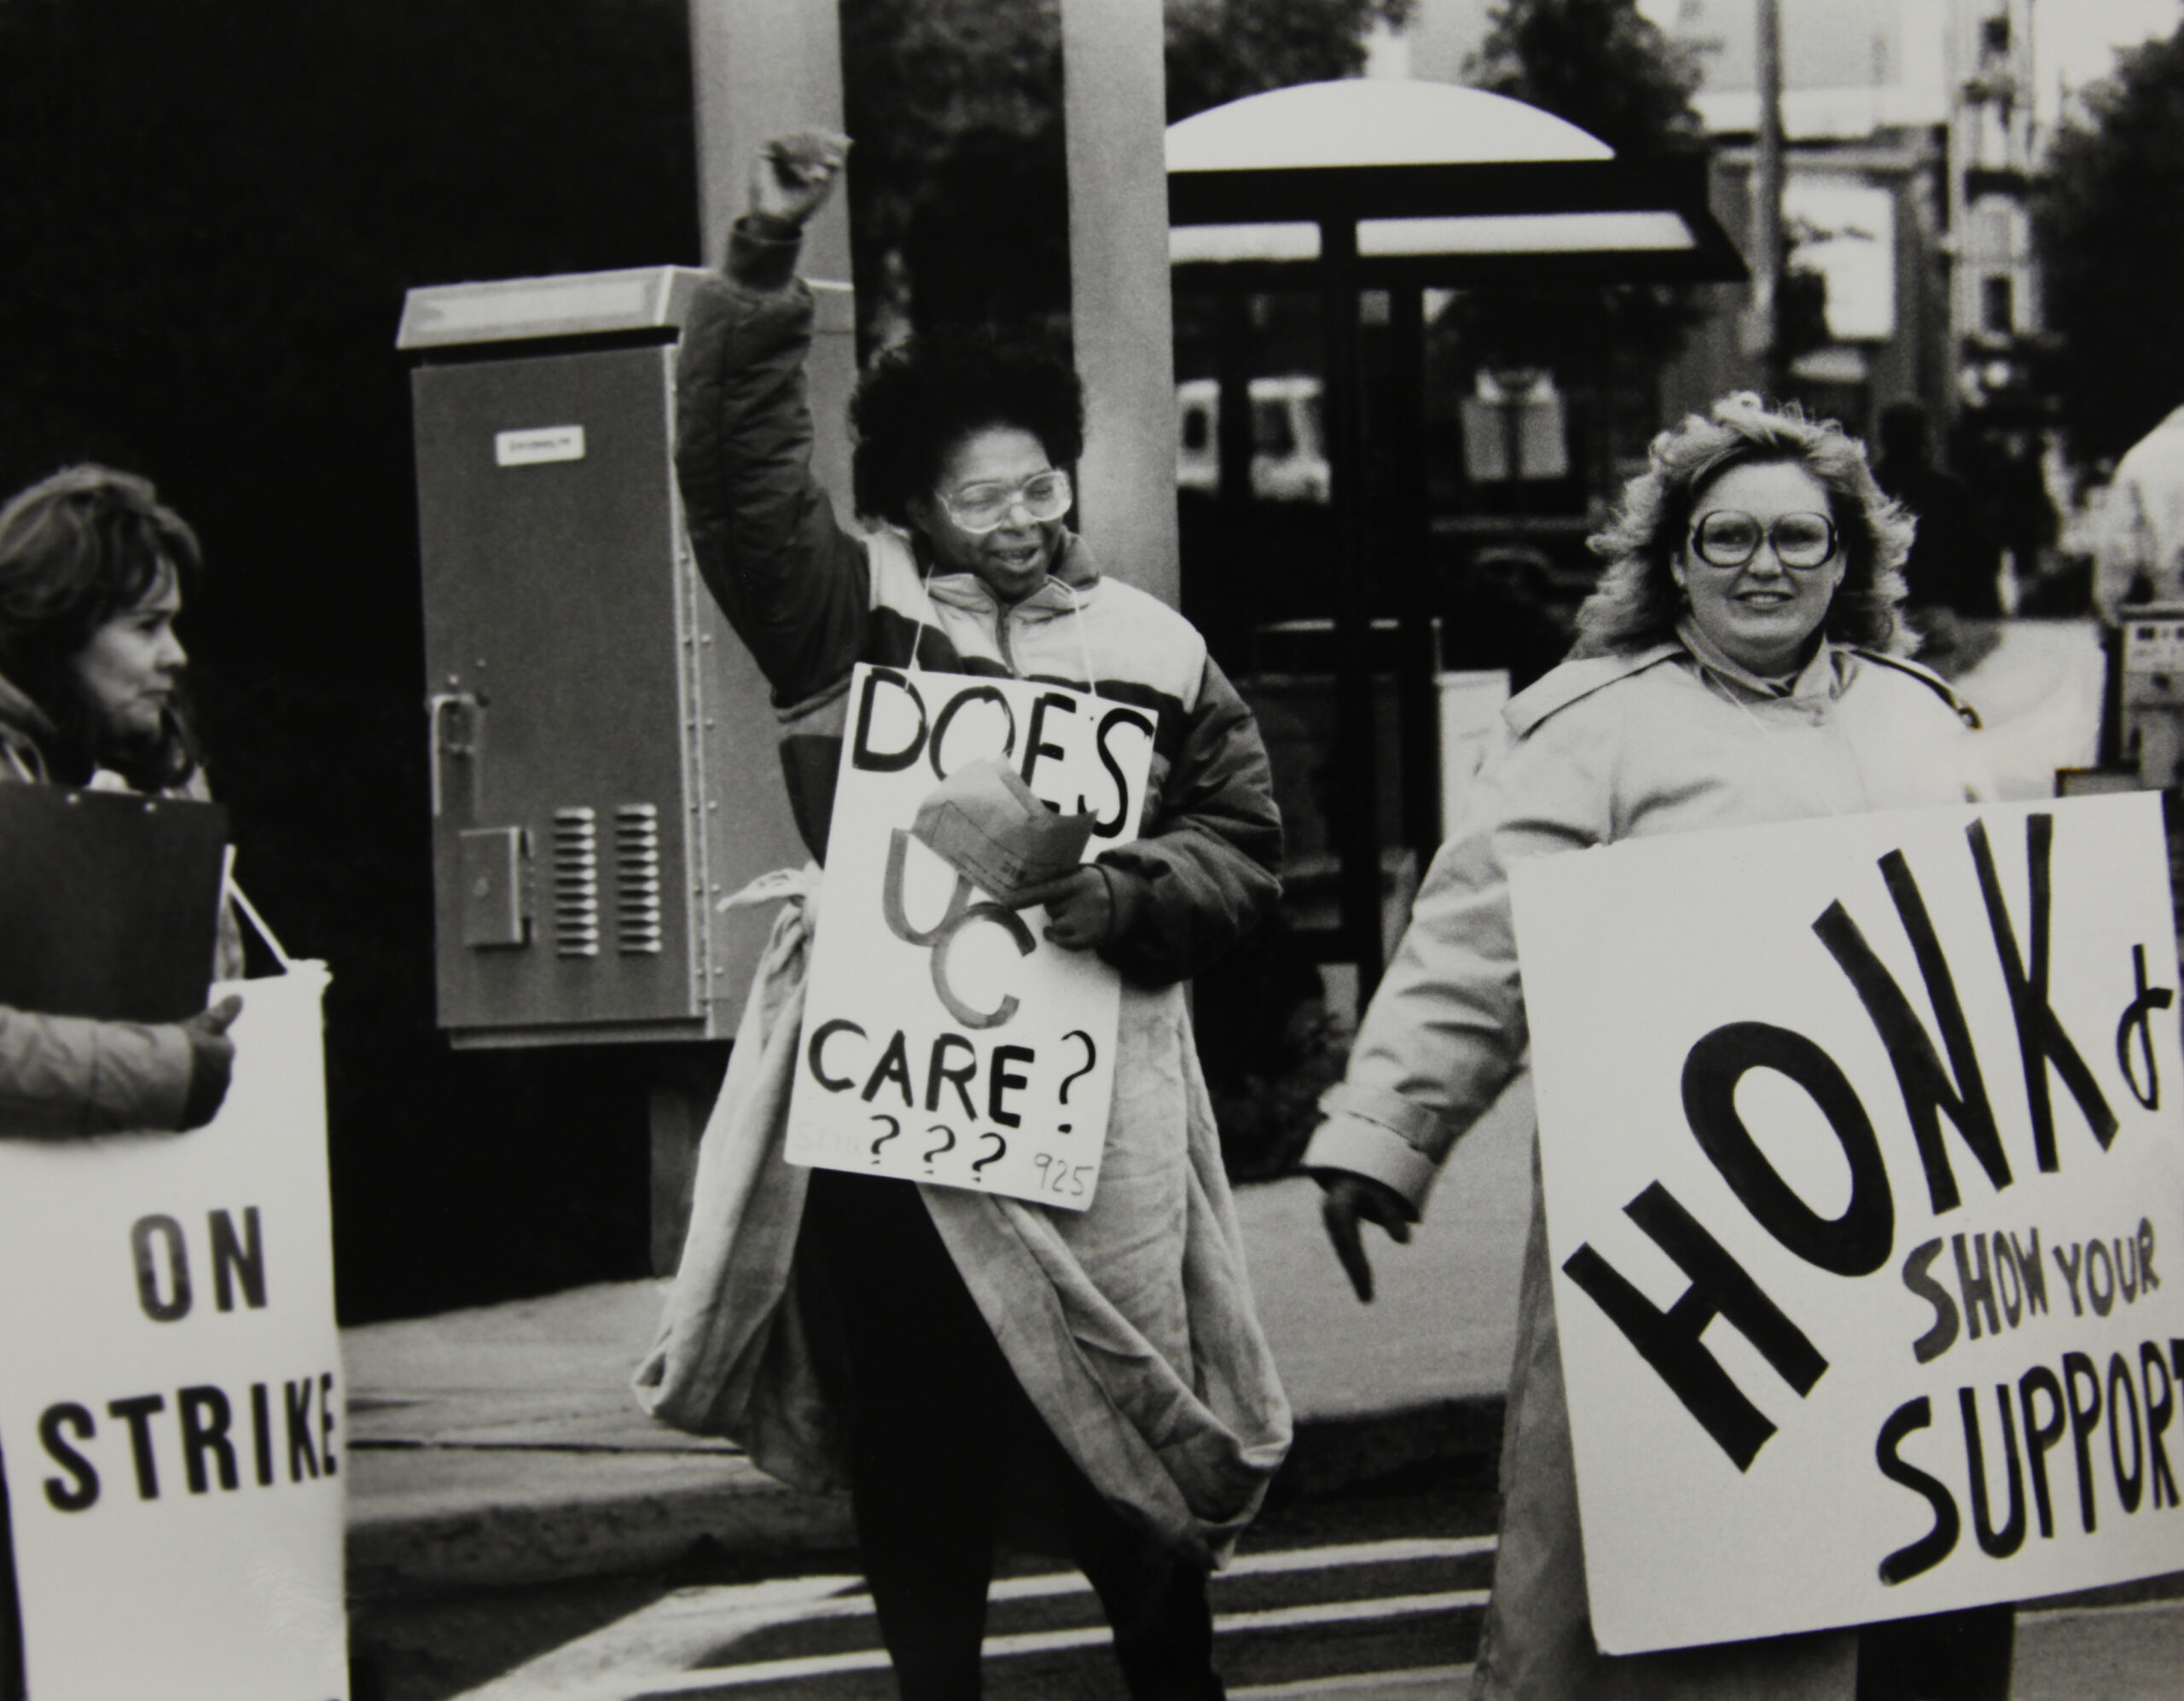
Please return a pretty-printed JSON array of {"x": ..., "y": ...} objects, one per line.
[{"x": 1067, "y": 587}]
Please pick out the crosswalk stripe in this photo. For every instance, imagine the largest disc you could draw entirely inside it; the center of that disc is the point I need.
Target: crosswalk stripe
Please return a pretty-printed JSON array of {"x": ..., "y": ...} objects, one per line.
[
  {"x": 596, "y": 1668},
  {"x": 1409, "y": 1548},
  {"x": 1278, "y": 1562},
  {"x": 1090, "y": 1636},
  {"x": 738, "y": 1677},
  {"x": 1446, "y": 1678},
  {"x": 1000, "y": 1647}
]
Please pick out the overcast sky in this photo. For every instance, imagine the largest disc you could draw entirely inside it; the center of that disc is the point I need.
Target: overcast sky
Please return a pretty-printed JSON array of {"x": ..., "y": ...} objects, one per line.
[{"x": 2075, "y": 41}]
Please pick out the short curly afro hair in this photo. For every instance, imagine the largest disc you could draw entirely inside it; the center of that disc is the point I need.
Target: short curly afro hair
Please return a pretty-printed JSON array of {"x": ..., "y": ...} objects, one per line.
[{"x": 920, "y": 399}]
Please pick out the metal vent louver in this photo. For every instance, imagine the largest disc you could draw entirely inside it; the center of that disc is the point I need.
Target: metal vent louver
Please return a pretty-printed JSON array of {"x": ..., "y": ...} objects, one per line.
[
  {"x": 576, "y": 882},
  {"x": 636, "y": 880}
]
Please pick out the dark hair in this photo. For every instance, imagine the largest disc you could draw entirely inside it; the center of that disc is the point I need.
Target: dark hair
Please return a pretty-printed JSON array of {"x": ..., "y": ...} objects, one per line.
[
  {"x": 920, "y": 399},
  {"x": 76, "y": 549},
  {"x": 1637, "y": 602}
]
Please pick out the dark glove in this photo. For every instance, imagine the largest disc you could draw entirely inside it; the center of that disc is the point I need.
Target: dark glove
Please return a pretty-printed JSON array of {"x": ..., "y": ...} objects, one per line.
[
  {"x": 211, "y": 1061},
  {"x": 1349, "y": 1197},
  {"x": 1082, "y": 914}
]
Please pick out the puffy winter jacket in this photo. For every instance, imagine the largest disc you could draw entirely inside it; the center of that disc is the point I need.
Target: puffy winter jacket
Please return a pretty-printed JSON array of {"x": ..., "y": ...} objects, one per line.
[{"x": 811, "y": 600}]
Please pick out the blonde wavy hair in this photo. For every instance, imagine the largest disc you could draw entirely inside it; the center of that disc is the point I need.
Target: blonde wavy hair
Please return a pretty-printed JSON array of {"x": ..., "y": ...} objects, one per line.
[{"x": 1637, "y": 603}]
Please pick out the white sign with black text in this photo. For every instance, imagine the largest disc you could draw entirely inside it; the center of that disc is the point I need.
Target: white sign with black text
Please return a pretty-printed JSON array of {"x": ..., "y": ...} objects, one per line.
[
  {"x": 171, "y": 1391},
  {"x": 944, "y": 1038},
  {"x": 1862, "y": 1141}
]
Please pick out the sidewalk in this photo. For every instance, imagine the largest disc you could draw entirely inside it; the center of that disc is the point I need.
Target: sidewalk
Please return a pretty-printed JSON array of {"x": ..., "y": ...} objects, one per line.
[{"x": 501, "y": 1445}]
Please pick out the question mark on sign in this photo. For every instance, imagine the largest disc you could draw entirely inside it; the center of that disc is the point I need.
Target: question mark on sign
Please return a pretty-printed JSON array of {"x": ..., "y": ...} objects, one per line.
[
  {"x": 1000, "y": 1150},
  {"x": 894, "y": 1128},
  {"x": 947, "y": 1145},
  {"x": 1091, "y": 1056}
]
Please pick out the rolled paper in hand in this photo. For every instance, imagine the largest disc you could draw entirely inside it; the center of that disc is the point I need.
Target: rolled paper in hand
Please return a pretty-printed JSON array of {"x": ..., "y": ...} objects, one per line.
[{"x": 984, "y": 822}]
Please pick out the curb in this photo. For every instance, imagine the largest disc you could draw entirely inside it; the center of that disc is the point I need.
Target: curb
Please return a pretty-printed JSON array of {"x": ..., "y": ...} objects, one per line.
[
  {"x": 534, "y": 1515},
  {"x": 561, "y": 1532}
]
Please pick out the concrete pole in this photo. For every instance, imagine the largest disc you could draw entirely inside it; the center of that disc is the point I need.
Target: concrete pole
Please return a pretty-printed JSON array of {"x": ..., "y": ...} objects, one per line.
[
  {"x": 1766, "y": 330},
  {"x": 1122, "y": 314},
  {"x": 760, "y": 67},
  {"x": 1357, "y": 833}
]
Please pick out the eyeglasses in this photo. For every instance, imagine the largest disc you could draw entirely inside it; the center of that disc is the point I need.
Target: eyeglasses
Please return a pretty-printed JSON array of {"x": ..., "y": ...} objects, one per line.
[
  {"x": 1725, "y": 538},
  {"x": 980, "y": 508}
]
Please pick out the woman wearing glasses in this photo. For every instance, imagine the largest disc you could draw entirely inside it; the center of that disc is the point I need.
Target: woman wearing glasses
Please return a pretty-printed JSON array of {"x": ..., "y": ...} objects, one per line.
[
  {"x": 1735, "y": 665},
  {"x": 975, "y": 1359}
]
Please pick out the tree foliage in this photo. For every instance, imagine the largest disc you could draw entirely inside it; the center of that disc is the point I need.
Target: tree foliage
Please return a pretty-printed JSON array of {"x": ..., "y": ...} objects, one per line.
[
  {"x": 959, "y": 186},
  {"x": 1222, "y": 50},
  {"x": 1601, "y": 64},
  {"x": 2108, "y": 222},
  {"x": 959, "y": 183},
  {"x": 1604, "y": 67}
]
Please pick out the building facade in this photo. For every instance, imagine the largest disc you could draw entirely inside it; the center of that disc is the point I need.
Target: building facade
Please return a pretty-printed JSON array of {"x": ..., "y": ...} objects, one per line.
[{"x": 1909, "y": 141}]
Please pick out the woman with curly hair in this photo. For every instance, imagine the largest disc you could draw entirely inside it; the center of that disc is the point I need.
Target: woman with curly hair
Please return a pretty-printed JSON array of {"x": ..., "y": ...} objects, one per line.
[
  {"x": 1738, "y": 664},
  {"x": 962, "y": 1362}
]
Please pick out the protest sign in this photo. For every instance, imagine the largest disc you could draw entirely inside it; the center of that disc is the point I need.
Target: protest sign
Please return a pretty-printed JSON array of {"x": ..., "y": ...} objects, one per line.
[
  {"x": 944, "y": 1038},
  {"x": 1862, "y": 1141},
  {"x": 171, "y": 1392}
]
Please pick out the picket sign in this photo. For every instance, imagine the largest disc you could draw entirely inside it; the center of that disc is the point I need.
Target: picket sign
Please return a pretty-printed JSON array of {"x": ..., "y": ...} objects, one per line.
[
  {"x": 1862, "y": 1141},
  {"x": 944, "y": 1038},
  {"x": 171, "y": 1391}
]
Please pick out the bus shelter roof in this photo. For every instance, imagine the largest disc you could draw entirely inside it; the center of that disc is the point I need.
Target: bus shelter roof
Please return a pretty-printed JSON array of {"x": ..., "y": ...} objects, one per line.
[{"x": 1441, "y": 184}]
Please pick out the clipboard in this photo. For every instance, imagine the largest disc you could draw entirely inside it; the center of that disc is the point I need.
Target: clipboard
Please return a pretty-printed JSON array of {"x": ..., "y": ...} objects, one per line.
[{"x": 109, "y": 902}]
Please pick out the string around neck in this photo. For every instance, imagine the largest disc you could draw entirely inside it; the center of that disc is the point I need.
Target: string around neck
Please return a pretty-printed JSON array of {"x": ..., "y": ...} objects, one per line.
[{"x": 1084, "y": 643}]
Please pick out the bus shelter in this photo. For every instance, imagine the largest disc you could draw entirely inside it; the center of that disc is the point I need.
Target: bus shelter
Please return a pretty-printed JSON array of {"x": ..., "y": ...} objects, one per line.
[{"x": 1382, "y": 184}]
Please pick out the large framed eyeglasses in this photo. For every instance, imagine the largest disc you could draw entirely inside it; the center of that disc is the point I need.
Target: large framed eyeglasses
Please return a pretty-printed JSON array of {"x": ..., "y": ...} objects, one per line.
[
  {"x": 1725, "y": 538},
  {"x": 980, "y": 508}
]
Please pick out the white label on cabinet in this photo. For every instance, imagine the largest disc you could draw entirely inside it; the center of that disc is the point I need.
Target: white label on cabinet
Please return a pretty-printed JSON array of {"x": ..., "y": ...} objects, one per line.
[{"x": 530, "y": 447}]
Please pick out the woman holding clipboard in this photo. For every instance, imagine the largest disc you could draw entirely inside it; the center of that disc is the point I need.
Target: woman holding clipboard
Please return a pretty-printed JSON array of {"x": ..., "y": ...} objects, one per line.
[{"x": 91, "y": 571}]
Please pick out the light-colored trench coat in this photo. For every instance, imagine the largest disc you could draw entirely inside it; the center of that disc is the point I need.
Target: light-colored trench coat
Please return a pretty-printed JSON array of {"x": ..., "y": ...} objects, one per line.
[{"x": 1597, "y": 751}]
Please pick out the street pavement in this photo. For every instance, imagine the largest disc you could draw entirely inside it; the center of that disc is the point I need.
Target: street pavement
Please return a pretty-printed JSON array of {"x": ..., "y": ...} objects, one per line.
[
  {"x": 2038, "y": 693},
  {"x": 1393, "y": 1617},
  {"x": 500, "y": 1447},
  {"x": 1390, "y": 1620}
]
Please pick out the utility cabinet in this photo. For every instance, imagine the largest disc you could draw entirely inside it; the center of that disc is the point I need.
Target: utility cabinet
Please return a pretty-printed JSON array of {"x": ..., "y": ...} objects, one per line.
[{"x": 603, "y": 748}]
